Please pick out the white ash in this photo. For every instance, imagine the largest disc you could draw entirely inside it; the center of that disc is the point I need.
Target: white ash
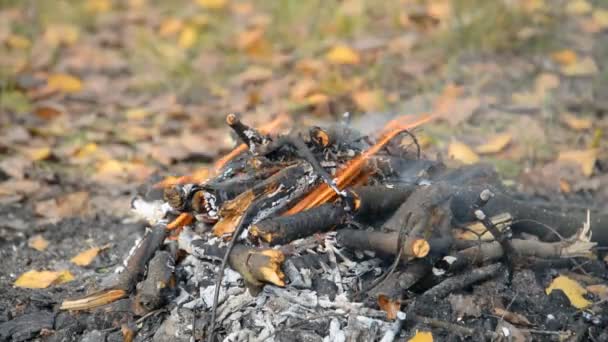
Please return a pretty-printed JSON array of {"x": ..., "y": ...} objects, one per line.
[
  {"x": 154, "y": 212},
  {"x": 296, "y": 308}
]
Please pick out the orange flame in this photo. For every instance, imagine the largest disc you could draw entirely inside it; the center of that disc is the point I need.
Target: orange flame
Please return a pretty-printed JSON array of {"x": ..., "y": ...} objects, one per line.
[
  {"x": 352, "y": 171},
  {"x": 203, "y": 174}
]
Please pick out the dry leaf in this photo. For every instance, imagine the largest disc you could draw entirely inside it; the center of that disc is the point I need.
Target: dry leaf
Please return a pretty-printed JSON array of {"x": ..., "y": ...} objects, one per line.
[
  {"x": 512, "y": 317},
  {"x": 578, "y": 7},
  {"x": 16, "y": 41},
  {"x": 342, "y": 54},
  {"x": 69, "y": 205},
  {"x": 495, "y": 144},
  {"x": 253, "y": 73},
  {"x": 212, "y": 4},
  {"x": 38, "y": 243},
  {"x": 137, "y": 113},
  {"x": 303, "y": 88},
  {"x": 576, "y": 123},
  {"x": 564, "y": 57},
  {"x": 573, "y": 290},
  {"x": 545, "y": 82},
  {"x": 391, "y": 307},
  {"x": 170, "y": 27},
  {"x": 99, "y": 6},
  {"x": 254, "y": 43},
  {"x": 368, "y": 100},
  {"x": 57, "y": 34},
  {"x": 37, "y": 154},
  {"x": 188, "y": 37},
  {"x": 584, "y": 158},
  {"x": 600, "y": 290},
  {"x": 422, "y": 336},
  {"x": 583, "y": 67},
  {"x": 317, "y": 99},
  {"x": 86, "y": 257},
  {"x": 65, "y": 83},
  {"x": 600, "y": 17},
  {"x": 43, "y": 279},
  {"x": 463, "y": 153}
]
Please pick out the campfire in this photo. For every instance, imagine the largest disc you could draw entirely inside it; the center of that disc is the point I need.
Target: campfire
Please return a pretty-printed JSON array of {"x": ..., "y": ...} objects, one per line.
[{"x": 329, "y": 233}]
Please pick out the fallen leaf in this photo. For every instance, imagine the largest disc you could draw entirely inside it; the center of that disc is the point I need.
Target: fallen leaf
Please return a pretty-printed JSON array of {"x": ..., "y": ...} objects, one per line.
[
  {"x": 86, "y": 257},
  {"x": 73, "y": 204},
  {"x": 48, "y": 110},
  {"x": 512, "y": 317},
  {"x": 252, "y": 74},
  {"x": 188, "y": 37},
  {"x": 43, "y": 279},
  {"x": 578, "y": 7},
  {"x": 463, "y": 153},
  {"x": 368, "y": 100},
  {"x": 583, "y": 67},
  {"x": 460, "y": 110},
  {"x": 212, "y": 4},
  {"x": 584, "y": 158},
  {"x": 564, "y": 57},
  {"x": 38, "y": 243},
  {"x": 303, "y": 88},
  {"x": 137, "y": 113},
  {"x": 422, "y": 336},
  {"x": 576, "y": 123},
  {"x": 98, "y": 6},
  {"x": 170, "y": 27},
  {"x": 317, "y": 99},
  {"x": 343, "y": 55},
  {"x": 64, "y": 82},
  {"x": 16, "y": 41},
  {"x": 390, "y": 306},
  {"x": 86, "y": 151},
  {"x": 600, "y": 17},
  {"x": 545, "y": 82},
  {"x": 254, "y": 43},
  {"x": 573, "y": 290},
  {"x": 57, "y": 34},
  {"x": 37, "y": 154},
  {"x": 496, "y": 144}
]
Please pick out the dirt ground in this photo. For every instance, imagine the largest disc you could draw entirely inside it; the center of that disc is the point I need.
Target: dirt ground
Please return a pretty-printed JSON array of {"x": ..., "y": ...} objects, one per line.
[{"x": 99, "y": 99}]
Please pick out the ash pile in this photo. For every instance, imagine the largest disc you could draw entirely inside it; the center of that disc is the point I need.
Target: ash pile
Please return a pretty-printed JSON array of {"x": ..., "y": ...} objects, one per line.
[{"x": 326, "y": 234}]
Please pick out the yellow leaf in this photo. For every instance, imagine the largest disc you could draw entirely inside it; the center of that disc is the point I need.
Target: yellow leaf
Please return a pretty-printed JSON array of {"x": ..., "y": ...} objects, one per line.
[
  {"x": 187, "y": 38},
  {"x": 316, "y": 99},
  {"x": 17, "y": 41},
  {"x": 368, "y": 100},
  {"x": 583, "y": 67},
  {"x": 600, "y": 17},
  {"x": 564, "y": 57},
  {"x": 65, "y": 83},
  {"x": 43, "y": 279},
  {"x": 573, "y": 290},
  {"x": 578, "y": 7},
  {"x": 212, "y": 4},
  {"x": 37, "y": 154},
  {"x": 57, "y": 34},
  {"x": 99, "y": 6},
  {"x": 111, "y": 167},
  {"x": 584, "y": 158},
  {"x": 136, "y": 113},
  {"x": 576, "y": 123},
  {"x": 86, "y": 257},
  {"x": 342, "y": 54},
  {"x": 422, "y": 336},
  {"x": 495, "y": 144},
  {"x": 463, "y": 153},
  {"x": 545, "y": 82},
  {"x": 86, "y": 150},
  {"x": 169, "y": 27},
  {"x": 38, "y": 243}
]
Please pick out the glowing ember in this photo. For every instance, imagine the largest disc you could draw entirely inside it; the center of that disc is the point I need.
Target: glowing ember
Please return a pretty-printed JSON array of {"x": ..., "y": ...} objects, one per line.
[{"x": 352, "y": 172}]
